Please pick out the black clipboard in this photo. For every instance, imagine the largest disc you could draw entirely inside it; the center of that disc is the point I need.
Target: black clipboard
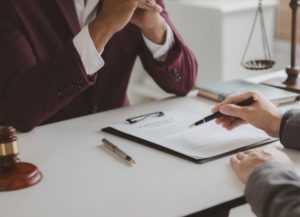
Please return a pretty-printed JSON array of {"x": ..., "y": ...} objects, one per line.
[{"x": 141, "y": 141}]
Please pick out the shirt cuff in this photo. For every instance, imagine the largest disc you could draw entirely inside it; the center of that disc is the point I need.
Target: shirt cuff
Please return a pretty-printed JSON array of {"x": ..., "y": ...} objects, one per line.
[
  {"x": 90, "y": 57},
  {"x": 159, "y": 51}
]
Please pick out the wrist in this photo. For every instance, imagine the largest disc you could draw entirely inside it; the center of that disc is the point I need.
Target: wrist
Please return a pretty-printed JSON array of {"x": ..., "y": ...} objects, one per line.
[
  {"x": 275, "y": 126},
  {"x": 100, "y": 33},
  {"x": 156, "y": 33}
]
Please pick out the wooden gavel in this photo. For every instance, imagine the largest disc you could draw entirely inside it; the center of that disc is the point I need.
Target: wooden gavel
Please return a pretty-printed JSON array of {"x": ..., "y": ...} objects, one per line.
[{"x": 14, "y": 174}]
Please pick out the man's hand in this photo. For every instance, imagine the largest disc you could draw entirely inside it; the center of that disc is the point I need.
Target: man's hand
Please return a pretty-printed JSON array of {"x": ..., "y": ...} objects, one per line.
[
  {"x": 262, "y": 114},
  {"x": 113, "y": 17},
  {"x": 244, "y": 163},
  {"x": 151, "y": 22}
]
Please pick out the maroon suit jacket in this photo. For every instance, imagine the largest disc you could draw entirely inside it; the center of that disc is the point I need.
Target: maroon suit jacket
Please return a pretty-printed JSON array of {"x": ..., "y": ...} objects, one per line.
[{"x": 42, "y": 78}]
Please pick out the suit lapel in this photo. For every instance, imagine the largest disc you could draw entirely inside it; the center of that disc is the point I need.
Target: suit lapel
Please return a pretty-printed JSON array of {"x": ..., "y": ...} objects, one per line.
[{"x": 67, "y": 7}]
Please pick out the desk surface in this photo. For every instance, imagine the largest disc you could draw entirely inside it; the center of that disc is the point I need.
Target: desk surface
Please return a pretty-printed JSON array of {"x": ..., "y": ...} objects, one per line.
[{"x": 81, "y": 179}]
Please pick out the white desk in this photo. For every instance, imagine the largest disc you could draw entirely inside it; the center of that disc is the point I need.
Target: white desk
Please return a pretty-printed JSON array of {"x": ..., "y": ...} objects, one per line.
[{"x": 81, "y": 179}]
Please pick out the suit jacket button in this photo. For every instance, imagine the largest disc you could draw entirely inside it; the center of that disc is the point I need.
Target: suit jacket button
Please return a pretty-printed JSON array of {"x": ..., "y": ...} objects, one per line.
[
  {"x": 59, "y": 94},
  {"x": 74, "y": 88},
  {"x": 67, "y": 92},
  {"x": 95, "y": 109},
  {"x": 79, "y": 84},
  {"x": 178, "y": 78},
  {"x": 176, "y": 74}
]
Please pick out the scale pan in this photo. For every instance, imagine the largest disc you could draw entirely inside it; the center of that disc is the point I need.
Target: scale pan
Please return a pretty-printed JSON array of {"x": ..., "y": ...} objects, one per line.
[{"x": 258, "y": 64}]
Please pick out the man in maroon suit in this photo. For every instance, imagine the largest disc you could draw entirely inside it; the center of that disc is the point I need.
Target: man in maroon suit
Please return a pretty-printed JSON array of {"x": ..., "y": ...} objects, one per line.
[{"x": 67, "y": 58}]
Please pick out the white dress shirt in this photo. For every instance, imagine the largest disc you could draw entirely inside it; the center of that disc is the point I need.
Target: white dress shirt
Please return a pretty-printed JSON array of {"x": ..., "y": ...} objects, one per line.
[{"x": 90, "y": 57}]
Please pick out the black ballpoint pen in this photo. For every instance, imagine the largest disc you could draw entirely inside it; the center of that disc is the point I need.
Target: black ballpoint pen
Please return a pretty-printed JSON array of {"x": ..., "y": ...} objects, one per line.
[{"x": 245, "y": 102}]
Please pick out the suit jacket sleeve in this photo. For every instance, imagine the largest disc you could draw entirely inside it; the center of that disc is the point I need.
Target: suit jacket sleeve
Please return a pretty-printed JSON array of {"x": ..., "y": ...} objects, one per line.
[
  {"x": 290, "y": 128},
  {"x": 177, "y": 74},
  {"x": 273, "y": 190},
  {"x": 22, "y": 75}
]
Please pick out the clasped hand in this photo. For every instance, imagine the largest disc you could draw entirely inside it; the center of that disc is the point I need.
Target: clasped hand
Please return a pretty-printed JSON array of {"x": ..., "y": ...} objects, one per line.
[{"x": 116, "y": 14}]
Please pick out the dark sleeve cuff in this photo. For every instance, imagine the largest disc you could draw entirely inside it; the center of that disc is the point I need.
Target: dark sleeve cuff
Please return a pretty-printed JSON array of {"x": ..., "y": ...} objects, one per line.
[
  {"x": 283, "y": 123},
  {"x": 271, "y": 190},
  {"x": 289, "y": 135}
]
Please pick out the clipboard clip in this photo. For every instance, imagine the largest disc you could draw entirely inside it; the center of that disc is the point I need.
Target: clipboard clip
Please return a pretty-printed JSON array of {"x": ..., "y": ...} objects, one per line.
[{"x": 139, "y": 118}]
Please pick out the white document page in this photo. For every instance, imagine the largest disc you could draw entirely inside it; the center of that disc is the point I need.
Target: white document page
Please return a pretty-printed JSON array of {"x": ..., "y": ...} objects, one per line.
[{"x": 173, "y": 132}]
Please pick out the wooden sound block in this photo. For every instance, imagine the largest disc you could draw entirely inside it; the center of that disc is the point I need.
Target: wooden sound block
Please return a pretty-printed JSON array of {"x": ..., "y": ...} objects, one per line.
[{"x": 22, "y": 175}]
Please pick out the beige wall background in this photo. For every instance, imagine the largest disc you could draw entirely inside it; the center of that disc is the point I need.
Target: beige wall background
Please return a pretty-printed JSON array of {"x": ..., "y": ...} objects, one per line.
[{"x": 284, "y": 21}]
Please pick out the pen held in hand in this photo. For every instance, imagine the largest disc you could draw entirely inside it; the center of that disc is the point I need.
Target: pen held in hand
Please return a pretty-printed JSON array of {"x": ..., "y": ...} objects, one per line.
[
  {"x": 114, "y": 149},
  {"x": 248, "y": 101}
]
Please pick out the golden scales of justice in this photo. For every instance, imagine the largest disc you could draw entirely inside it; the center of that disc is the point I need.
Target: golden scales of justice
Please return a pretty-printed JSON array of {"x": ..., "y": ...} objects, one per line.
[{"x": 290, "y": 83}]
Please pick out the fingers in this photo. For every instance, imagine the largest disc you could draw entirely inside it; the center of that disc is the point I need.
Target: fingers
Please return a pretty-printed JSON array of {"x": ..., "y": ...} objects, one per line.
[
  {"x": 235, "y": 123},
  {"x": 242, "y": 166},
  {"x": 220, "y": 120},
  {"x": 234, "y": 100},
  {"x": 149, "y": 5},
  {"x": 240, "y": 156},
  {"x": 230, "y": 122},
  {"x": 154, "y": 7},
  {"x": 232, "y": 110},
  {"x": 234, "y": 162},
  {"x": 227, "y": 121},
  {"x": 237, "y": 159}
]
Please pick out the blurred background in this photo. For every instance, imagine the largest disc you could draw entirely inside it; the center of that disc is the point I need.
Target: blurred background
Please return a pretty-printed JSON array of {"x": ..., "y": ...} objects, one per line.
[{"x": 217, "y": 32}]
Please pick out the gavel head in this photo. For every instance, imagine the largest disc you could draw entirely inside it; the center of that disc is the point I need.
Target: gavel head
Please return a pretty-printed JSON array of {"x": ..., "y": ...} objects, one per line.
[{"x": 9, "y": 148}]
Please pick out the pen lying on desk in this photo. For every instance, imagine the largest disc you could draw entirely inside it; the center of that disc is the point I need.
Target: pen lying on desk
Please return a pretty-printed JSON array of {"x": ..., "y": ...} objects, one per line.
[
  {"x": 245, "y": 102},
  {"x": 117, "y": 151}
]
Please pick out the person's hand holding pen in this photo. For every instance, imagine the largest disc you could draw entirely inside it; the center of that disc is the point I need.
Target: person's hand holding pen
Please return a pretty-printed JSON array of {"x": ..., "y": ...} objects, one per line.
[{"x": 262, "y": 114}]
